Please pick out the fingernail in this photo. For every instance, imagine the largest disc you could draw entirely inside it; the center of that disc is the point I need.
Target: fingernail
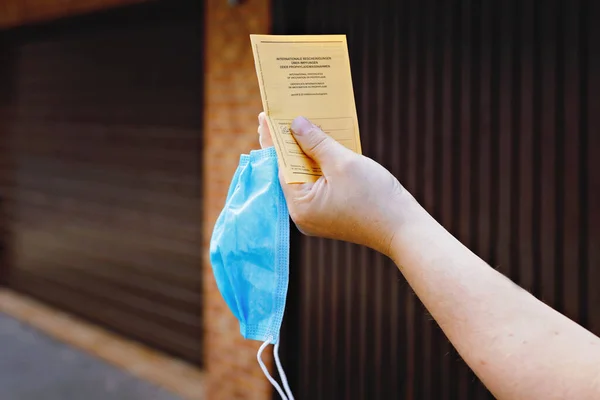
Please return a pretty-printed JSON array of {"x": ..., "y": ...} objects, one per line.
[
  {"x": 261, "y": 117},
  {"x": 301, "y": 126}
]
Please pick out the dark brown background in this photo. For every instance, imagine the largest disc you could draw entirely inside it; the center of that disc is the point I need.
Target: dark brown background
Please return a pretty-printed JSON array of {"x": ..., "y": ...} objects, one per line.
[
  {"x": 488, "y": 112},
  {"x": 101, "y": 120}
]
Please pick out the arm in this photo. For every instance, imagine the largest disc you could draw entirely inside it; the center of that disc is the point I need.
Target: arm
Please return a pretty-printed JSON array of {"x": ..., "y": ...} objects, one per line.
[{"x": 518, "y": 346}]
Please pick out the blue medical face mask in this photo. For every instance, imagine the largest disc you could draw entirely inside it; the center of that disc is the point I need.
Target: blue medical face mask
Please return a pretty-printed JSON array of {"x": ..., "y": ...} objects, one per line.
[{"x": 249, "y": 252}]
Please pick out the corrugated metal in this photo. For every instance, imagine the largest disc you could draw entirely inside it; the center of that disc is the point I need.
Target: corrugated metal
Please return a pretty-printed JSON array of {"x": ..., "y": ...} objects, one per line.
[
  {"x": 104, "y": 137},
  {"x": 487, "y": 111}
]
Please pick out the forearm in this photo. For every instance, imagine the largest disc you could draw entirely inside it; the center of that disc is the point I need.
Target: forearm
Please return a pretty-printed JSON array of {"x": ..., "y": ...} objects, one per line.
[{"x": 518, "y": 346}]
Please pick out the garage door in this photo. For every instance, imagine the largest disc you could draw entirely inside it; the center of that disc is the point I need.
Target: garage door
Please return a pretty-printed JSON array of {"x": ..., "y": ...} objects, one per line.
[{"x": 103, "y": 135}]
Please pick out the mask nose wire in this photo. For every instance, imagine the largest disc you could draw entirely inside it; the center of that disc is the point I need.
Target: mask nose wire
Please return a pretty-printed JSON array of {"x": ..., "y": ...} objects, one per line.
[
  {"x": 282, "y": 375},
  {"x": 266, "y": 371}
]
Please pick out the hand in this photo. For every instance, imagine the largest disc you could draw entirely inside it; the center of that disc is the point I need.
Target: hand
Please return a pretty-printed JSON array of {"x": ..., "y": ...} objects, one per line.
[{"x": 356, "y": 200}]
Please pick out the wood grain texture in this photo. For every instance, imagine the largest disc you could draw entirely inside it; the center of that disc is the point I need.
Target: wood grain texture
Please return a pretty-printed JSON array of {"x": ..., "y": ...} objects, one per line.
[{"x": 486, "y": 111}]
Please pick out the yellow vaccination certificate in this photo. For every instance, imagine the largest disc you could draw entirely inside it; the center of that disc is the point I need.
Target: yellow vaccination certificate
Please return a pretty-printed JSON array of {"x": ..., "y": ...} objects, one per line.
[{"x": 305, "y": 75}]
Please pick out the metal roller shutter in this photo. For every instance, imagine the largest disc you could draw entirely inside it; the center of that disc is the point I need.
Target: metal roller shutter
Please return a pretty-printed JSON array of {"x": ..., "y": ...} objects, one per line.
[{"x": 103, "y": 135}]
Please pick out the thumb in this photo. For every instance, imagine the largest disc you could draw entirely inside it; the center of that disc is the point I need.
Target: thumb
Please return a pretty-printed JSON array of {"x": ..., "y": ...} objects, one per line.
[{"x": 315, "y": 143}]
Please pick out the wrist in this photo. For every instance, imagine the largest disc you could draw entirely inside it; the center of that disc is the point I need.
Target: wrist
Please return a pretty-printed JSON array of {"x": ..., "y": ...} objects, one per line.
[{"x": 410, "y": 218}]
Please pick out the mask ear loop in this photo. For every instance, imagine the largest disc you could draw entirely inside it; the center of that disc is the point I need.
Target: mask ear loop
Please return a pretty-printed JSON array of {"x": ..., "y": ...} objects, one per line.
[
  {"x": 282, "y": 375},
  {"x": 266, "y": 371}
]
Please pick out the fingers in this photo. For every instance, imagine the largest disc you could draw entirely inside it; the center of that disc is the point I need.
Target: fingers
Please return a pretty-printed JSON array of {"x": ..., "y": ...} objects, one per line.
[
  {"x": 264, "y": 134},
  {"x": 265, "y": 139},
  {"x": 294, "y": 191},
  {"x": 315, "y": 143}
]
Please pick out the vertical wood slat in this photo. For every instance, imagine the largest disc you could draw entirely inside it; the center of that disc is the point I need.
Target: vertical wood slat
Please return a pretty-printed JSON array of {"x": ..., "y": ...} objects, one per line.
[
  {"x": 485, "y": 121},
  {"x": 524, "y": 127},
  {"x": 590, "y": 129},
  {"x": 505, "y": 158},
  {"x": 572, "y": 138},
  {"x": 515, "y": 144},
  {"x": 547, "y": 142},
  {"x": 487, "y": 112}
]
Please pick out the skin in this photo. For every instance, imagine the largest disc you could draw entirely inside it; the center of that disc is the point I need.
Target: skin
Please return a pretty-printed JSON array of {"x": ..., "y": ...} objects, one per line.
[{"x": 517, "y": 345}]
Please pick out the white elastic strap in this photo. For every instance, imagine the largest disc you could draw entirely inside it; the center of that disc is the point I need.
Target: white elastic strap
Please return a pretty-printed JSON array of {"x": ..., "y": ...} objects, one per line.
[
  {"x": 284, "y": 380},
  {"x": 266, "y": 371}
]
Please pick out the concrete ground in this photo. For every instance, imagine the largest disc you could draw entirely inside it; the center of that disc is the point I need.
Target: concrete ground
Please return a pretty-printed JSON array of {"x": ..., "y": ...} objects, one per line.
[{"x": 34, "y": 366}]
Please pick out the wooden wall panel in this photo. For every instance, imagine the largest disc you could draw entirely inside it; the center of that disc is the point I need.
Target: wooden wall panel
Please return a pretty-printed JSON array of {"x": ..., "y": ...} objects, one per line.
[
  {"x": 104, "y": 198},
  {"x": 491, "y": 115},
  {"x": 589, "y": 87}
]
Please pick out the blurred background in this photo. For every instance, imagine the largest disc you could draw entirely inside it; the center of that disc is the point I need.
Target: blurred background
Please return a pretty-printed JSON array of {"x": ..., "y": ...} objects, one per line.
[{"x": 122, "y": 121}]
